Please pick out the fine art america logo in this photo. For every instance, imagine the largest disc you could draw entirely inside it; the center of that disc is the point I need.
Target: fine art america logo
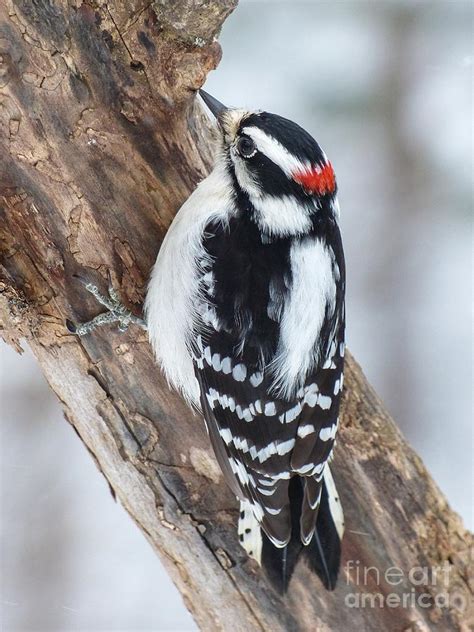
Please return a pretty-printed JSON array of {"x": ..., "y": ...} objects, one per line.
[{"x": 425, "y": 587}]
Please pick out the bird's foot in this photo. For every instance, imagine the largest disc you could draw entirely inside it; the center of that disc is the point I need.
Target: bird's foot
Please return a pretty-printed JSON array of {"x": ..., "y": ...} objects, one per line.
[{"x": 116, "y": 312}]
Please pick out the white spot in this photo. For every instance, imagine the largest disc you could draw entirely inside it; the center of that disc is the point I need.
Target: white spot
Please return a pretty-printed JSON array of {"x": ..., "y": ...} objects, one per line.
[
  {"x": 212, "y": 397},
  {"x": 304, "y": 431},
  {"x": 248, "y": 415},
  {"x": 254, "y": 453},
  {"x": 216, "y": 362},
  {"x": 337, "y": 387},
  {"x": 208, "y": 355},
  {"x": 226, "y": 366},
  {"x": 223, "y": 400},
  {"x": 239, "y": 372},
  {"x": 291, "y": 414},
  {"x": 324, "y": 402},
  {"x": 270, "y": 409},
  {"x": 241, "y": 444},
  {"x": 341, "y": 349},
  {"x": 258, "y": 406},
  {"x": 281, "y": 448},
  {"x": 211, "y": 400},
  {"x": 328, "y": 433},
  {"x": 285, "y": 446},
  {"x": 239, "y": 470},
  {"x": 256, "y": 379},
  {"x": 310, "y": 399},
  {"x": 226, "y": 435}
]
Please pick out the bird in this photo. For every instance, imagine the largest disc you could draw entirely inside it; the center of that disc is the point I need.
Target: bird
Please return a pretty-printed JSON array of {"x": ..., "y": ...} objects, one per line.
[{"x": 245, "y": 311}]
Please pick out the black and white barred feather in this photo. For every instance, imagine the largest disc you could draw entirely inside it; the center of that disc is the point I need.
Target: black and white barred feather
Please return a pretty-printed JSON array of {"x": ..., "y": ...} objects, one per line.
[{"x": 246, "y": 315}]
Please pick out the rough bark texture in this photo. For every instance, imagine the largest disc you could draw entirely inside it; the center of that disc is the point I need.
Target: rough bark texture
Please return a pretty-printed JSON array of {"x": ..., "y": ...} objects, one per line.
[{"x": 101, "y": 141}]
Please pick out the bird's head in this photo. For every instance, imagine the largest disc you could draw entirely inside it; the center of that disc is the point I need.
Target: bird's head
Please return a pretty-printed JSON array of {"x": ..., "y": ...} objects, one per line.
[{"x": 277, "y": 166}]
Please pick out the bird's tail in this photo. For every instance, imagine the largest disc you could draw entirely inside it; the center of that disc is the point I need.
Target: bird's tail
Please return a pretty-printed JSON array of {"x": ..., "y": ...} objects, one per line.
[{"x": 323, "y": 552}]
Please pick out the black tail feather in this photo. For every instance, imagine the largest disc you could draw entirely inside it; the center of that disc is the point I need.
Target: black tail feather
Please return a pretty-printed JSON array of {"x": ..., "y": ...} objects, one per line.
[
  {"x": 279, "y": 564},
  {"x": 323, "y": 553}
]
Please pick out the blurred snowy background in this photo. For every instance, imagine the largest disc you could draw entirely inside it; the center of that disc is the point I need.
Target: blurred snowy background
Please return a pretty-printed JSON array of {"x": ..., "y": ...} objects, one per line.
[{"x": 386, "y": 88}]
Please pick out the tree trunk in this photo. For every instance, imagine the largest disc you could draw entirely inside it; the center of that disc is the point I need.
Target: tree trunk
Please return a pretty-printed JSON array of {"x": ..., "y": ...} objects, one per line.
[{"x": 101, "y": 142}]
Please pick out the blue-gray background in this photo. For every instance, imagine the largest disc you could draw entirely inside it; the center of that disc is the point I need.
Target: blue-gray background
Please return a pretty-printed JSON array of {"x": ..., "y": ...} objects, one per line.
[{"x": 386, "y": 88}]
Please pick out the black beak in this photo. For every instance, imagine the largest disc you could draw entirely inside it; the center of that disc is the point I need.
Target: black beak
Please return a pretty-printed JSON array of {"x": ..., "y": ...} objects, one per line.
[{"x": 213, "y": 104}]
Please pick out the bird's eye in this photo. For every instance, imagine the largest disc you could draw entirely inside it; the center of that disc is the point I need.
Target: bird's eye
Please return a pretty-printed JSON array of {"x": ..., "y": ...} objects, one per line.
[{"x": 246, "y": 147}]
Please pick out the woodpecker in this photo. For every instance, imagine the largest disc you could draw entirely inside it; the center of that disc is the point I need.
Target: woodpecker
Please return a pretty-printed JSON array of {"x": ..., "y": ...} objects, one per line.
[{"x": 245, "y": 313}]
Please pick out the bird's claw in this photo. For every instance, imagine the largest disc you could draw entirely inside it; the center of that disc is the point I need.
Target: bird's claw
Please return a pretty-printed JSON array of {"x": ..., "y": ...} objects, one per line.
[{"x": 116, "y": 311}]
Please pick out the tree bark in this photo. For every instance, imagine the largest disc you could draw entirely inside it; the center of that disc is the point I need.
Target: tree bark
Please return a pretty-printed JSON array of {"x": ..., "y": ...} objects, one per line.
[{"x": 101, "y": 142}]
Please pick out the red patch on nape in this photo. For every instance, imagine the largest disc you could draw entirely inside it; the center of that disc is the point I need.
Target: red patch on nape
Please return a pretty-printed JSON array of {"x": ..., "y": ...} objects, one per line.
[{"x": 318, "y": 180}]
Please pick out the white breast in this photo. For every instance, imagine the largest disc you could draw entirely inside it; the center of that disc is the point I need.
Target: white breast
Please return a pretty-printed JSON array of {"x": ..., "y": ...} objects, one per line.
[{"x": 173, "y": 291}]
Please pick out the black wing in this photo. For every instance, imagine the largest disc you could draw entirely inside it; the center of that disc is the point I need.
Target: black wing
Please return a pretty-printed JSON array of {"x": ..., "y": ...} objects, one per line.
[{"x": 261, "y": 440}]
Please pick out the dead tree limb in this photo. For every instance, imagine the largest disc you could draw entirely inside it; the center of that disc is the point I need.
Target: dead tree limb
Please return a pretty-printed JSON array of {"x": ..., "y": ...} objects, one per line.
[{"x": 101, "y": 142}]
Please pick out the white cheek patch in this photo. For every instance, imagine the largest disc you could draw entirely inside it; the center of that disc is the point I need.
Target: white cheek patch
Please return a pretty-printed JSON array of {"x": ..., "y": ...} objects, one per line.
[{"x": 283, "y": 216}]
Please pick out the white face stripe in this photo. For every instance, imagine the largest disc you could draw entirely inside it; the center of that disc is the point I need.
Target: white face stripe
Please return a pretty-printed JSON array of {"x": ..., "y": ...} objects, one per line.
[{"x": 275, "y": 151}]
